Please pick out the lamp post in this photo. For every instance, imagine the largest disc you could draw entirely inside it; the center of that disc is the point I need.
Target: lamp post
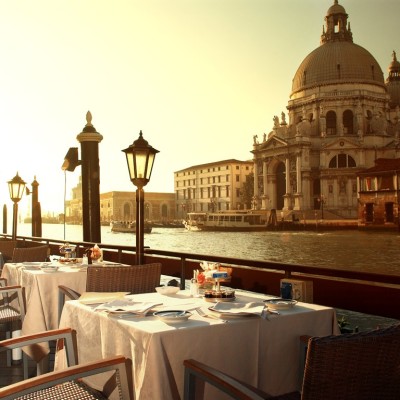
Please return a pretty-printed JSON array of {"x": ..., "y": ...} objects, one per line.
[
  {"x": 16, "y": 188},
  {"x": 140, "y": 158}
]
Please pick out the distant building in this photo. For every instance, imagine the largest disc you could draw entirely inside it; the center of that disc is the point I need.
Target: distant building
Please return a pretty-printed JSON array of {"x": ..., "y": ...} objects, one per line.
[
  {"x": 379, "y": 191},
  {"x": 342, "y": 116},
  {"x": 211, "y": 187},
  {"x": 121, "y": 206}
]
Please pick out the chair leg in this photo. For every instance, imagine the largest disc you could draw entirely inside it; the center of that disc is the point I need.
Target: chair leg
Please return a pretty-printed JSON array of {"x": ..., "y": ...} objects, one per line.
[
  {"x": 25, "y": 363},
  {"x": 189, "y": 386},
  {"x": 9, "y": 352}
]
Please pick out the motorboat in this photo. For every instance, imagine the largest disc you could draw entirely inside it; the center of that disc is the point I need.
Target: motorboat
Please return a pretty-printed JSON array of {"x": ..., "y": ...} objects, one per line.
[{"x": 128, "y": 227}]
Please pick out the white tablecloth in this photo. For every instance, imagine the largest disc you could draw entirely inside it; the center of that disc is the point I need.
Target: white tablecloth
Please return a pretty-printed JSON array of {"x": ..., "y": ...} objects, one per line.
[
  {"x": 262, "y": 352},
  {"x": 41, "y": 291}
]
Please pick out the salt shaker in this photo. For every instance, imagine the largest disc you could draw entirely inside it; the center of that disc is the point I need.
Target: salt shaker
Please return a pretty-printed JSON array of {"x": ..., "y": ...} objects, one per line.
[
  {"x": 194, "y": 288},
  {"x": 194, "y": 285}
]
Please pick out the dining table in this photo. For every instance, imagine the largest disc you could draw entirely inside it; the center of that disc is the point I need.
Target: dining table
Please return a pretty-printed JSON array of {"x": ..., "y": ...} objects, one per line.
[
  {"x": 261, "y": 348},
  {"x": 41, "y": 294}
]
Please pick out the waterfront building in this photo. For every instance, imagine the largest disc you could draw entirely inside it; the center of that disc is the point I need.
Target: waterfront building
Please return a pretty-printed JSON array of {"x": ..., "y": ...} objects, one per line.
[
  {"x": 379, "y": 194},
  {"x": 215, "y": 186},
  {"x": 342, "y": 116},
  {"x": 121, "y": 206}
]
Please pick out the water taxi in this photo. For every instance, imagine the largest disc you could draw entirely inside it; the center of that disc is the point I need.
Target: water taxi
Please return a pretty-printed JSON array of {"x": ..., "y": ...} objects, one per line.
[
  {"x": 227, "y": 221},
  {"x": 194, "y": 221},
  {"x": 128, "y": 227}
]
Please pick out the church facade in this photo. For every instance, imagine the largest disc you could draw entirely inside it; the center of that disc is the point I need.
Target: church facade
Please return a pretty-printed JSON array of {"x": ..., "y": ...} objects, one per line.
[{"x": 342, "y": 115}]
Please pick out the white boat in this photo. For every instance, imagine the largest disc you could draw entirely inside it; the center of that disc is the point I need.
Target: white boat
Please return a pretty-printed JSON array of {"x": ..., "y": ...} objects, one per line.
[
  {"x": 227, "y": 221},
  {"x": 128, "y": 227},
  {"x": 194, "y": 221}
]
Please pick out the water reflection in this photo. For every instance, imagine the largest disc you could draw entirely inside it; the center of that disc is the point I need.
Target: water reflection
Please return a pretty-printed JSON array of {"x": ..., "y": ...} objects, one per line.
[{"x": 367, "y": 251}]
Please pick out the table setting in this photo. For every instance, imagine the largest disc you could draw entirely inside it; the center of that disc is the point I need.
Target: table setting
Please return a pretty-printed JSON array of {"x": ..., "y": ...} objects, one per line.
[{"x": 171, "y": 327}]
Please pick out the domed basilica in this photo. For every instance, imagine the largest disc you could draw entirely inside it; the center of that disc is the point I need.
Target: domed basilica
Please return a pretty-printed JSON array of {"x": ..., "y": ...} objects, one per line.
[{"x": 342, "y": 115}]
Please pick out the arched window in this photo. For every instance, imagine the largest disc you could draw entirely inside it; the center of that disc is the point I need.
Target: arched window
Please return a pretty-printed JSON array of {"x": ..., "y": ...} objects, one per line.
[
  {"x": 348, "y": 120},
  {"x": 342, "y": 161},
  {"x": 331, "y": 123}
]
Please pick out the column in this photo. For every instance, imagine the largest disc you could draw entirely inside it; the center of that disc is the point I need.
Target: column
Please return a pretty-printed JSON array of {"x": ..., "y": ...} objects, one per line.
[{"x": 89, "y": 139}]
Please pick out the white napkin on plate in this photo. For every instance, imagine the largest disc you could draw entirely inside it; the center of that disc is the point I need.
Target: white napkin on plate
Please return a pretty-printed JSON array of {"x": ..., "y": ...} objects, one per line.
[
  {"x": 126, "y": 306},
  {"x": 239, "y": 308}
]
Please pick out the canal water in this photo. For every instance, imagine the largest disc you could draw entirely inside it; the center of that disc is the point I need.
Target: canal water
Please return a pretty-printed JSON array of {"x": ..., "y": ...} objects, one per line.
[{"x": 352, "y": 250}]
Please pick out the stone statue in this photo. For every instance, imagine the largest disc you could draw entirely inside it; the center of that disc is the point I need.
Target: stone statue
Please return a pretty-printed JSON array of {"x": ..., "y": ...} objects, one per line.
[
  {"x": 255, "y": 139},
  {"x": 276, "y": 121},
  {"x": 283, "y": 116}
]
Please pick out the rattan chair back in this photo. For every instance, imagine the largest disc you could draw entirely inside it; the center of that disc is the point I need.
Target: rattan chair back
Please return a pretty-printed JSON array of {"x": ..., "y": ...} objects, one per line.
[
  {"x": 12, "y": 310},
  {"x": 7, "y": 248},
  {"x": 37, "y": 253},
  {"x": 67, "y": 383},
  {"x": 360, "y": 366},
  {"x": 130, "y": 278}
]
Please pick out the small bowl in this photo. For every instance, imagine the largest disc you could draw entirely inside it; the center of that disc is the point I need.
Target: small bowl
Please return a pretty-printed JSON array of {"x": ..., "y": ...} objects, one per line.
[
  {"x": 48, "y": 268},
  {"x": 167, "y": 290}
]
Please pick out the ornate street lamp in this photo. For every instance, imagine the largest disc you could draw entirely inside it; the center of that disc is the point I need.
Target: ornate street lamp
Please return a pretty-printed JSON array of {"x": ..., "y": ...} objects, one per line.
[
  {"x": 16, "y": 188},
  {"x": 140, "y": 158}
]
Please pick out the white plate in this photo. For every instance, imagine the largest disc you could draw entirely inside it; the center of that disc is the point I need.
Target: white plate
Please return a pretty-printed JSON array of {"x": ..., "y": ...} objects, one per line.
[
  {"x": 49, "y": 269},
  {"x": 217, "y": 299},
  {"x": 167, "y": 289},
  {"x": 227, "y": 315},
  {"x": 280, "y": 304},
  {"x": 33, "y": 263},
  {"x": 173, "y": 316}
]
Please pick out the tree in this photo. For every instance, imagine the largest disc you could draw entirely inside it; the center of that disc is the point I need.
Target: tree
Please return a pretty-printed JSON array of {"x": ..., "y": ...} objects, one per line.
[{"x": 247, "y": 191}]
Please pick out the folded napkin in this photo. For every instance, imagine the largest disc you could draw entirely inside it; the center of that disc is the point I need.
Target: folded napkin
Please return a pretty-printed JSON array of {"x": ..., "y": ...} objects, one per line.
[
  {"x": 239, "y": 308},
  {"x": 100, "y": 297},
  {"x": 127, "y": 306}
]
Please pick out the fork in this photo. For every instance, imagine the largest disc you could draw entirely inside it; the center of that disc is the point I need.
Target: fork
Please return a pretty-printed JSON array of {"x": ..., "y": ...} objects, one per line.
[{"x": 205, "y": 315}]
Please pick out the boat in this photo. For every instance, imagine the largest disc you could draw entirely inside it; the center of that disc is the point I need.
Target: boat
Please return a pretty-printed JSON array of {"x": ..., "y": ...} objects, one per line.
[
  {"x": 227, "y": 221},
  {"x": 194, "y": 221},
  {"x": 128, "y": 227}
]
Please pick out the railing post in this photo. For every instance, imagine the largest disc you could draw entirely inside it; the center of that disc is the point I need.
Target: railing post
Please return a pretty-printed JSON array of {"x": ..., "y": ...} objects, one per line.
[{"x": 183, "y": 268}]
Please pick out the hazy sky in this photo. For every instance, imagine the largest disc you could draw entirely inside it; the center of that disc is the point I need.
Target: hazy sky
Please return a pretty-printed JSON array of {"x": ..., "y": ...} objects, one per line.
[{"x": 198, "y": 77}]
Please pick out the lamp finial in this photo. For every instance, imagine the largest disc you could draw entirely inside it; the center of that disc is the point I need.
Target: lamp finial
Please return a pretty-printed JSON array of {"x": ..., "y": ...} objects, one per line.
[{"x": 89, "y": 119}]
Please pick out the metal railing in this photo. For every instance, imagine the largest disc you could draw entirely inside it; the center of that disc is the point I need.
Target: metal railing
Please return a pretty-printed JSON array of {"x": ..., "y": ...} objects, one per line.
[{"x": 367, "y": 292}]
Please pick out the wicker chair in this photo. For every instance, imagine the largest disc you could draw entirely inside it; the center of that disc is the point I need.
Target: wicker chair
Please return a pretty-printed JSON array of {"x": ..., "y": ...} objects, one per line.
[
  {"x": 7, "y": 248},
  {"x": 67, "y": 383},
  {"x": 359, "y": 366},
  {"x": 12, "y": 309},
  {"x": 36, "y": 253},
  {"x": 66, "y": 338},
  {"x": 130, "y": 278}
]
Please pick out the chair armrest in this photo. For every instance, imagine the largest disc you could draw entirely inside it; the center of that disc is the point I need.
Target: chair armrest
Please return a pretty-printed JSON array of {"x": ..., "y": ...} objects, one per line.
[
  {"x": 236, "y": 389},
  {"x": 65, "y": 337},
  {"x": 75, "y": 372},
  {"x": 68, "y": 292}
]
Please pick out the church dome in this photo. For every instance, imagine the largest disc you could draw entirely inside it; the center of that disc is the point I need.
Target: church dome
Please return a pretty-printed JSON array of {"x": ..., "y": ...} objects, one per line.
[{"x": 337, "y": 60}]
